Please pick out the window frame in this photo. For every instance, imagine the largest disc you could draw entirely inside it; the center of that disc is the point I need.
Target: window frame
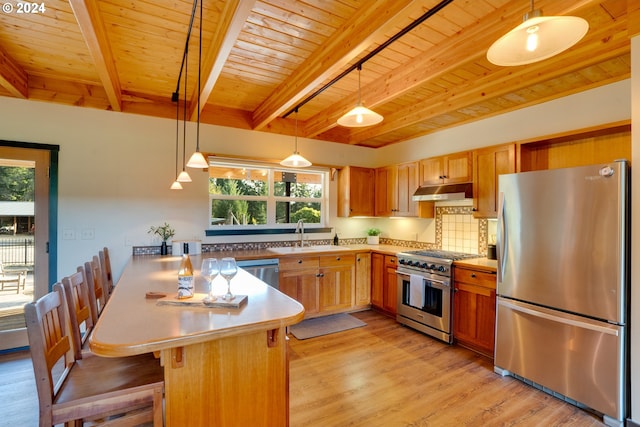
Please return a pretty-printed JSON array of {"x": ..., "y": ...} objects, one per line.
[{"x": 271, "y": 199}]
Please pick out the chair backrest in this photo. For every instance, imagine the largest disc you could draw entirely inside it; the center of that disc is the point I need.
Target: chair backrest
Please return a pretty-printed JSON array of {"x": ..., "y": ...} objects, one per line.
[
  {"x": 49, "y": 343},
  {"x": 97, "y": 294},
  {"x": 76, "y": 290},
  {"x": 107, "y": 276}
]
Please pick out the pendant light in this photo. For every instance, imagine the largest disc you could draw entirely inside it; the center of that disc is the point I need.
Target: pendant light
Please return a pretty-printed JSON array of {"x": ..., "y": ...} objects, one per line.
[
  {"x": 176, "y": 184},
  {"x": 296, "y": 160},
  {"x": 184, "y": 175},
  {"x": 197, "y": 160},
  {"x": 537, "y": 38},
  {"x": 360, "y": 116}
]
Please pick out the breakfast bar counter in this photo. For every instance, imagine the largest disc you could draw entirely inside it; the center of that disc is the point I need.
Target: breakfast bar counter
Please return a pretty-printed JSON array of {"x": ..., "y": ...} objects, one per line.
[{"x": 223, "y": 366}]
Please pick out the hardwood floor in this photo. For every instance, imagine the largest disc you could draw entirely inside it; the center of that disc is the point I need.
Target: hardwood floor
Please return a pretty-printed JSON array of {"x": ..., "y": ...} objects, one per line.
[{"x": 382, "y": 374}]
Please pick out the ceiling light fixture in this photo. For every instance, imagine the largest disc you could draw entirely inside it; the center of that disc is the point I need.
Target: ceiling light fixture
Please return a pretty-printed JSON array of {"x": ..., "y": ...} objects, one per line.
[
  {"x": 176, "y": 184},
  {"x": 197, "y": 160},
  {"x": 360, "y": 116},
  {"x": 537, "y": 38},
  {"x": 296, "y": 160},
  {"x": 184, "y": 175}
]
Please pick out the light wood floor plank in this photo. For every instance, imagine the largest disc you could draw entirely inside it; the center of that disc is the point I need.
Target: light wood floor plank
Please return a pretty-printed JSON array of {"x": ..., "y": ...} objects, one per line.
[{"x": 382, "y": 374}]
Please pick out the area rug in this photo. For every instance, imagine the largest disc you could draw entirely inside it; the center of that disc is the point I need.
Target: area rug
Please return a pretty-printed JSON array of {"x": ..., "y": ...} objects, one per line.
[{"x": 325, "y": 325}]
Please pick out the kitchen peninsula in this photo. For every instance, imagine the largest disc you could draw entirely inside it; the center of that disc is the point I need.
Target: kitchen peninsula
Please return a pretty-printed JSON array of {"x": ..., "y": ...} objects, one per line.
[{"x": 223, "y": 366}]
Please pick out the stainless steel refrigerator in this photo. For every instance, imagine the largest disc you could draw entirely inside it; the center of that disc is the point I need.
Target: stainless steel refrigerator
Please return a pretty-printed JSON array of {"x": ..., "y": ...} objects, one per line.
[{"x": 563, "y": 273}]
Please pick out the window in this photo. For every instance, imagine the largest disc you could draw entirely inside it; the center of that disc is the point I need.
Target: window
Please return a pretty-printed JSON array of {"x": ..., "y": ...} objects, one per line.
[{"x": 255, "y": 195}]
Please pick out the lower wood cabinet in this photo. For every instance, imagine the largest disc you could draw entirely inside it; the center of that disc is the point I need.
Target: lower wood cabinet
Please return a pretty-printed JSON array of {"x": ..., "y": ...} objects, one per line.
[
  {"x": 474, "y": 309},
  {"x": 384, "y": 295},
  {"x": 363, "y": 280},
  {"x": 322, "y": 284}
]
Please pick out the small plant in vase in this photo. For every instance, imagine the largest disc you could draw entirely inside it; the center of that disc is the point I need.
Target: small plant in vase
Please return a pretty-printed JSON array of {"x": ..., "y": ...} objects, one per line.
[
  {"x": 165, "y": 232},
  {"x": 373, "y": 236}
]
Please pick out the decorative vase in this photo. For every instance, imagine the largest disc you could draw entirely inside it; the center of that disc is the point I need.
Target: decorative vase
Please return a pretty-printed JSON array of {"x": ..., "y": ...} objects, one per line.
[
  {"x": 163, "y": 248},
  {"x": 373, "y": 240}
]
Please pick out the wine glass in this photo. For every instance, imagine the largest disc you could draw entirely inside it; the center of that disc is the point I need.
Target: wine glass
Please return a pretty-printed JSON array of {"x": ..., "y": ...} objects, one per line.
[
  {"x": 228, "y": 270},
  {"x": 209, "y": 271}
]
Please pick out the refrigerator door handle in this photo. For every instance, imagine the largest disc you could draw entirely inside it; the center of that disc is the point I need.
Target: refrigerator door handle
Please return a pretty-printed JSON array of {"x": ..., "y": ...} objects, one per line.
[
  {"x": 501, "y": 242},
  {"x": 558, "y": 319}
]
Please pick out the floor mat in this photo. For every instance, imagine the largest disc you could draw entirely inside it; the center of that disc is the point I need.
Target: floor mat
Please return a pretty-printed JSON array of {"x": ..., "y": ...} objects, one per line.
[{"x": 325, "y": 325}]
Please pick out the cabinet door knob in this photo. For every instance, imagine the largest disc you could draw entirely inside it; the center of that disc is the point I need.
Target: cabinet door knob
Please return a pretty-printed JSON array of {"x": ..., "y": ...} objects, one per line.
[
  {"x": 299, "y": 261},
  {"x": 473, "y": 275},
  {"x": 337, "y": 258}
]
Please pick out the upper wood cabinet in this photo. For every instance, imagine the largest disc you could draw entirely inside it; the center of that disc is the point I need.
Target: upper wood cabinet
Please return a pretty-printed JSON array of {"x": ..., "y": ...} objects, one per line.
[
  {"x": 395, "y": 186},
  {"x": 450, "y": 169},
  {"x": 488, "y": 164},
  {"x": 356, "y": 193}
]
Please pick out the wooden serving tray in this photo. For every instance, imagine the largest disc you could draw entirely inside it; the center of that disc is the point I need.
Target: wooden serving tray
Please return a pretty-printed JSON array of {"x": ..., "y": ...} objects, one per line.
[{"x": 198, "y": 301}]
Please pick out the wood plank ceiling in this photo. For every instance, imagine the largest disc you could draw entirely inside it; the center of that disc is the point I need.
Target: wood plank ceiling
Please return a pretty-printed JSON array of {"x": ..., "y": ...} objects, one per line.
[{"x": 260, "y": 58}]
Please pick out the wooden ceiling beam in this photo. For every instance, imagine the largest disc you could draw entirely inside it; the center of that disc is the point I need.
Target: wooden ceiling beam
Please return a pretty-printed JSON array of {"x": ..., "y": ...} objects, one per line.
[
  {"x": 12, "y": 77},
  {"x": 232, "y": 20},
  {"x": 502, "y": 82},
  {"x": 441, "y": 59},
  {"x": 87, "y": 14},
  {"x": 368, "y": 24}
]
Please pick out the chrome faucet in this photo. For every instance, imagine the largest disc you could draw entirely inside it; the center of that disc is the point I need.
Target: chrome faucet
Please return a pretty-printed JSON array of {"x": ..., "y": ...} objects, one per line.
[{"x": 300, "y": 229}]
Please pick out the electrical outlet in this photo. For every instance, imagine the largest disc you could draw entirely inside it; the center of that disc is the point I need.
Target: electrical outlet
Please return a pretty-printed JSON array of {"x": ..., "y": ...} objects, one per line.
[
  {"x": 87, "y": 234},
  {"x": 68, "y": 234}
]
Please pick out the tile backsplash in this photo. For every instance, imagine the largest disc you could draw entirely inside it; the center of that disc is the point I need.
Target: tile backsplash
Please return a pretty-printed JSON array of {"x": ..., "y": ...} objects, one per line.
[{"x": 457, "y": 230}]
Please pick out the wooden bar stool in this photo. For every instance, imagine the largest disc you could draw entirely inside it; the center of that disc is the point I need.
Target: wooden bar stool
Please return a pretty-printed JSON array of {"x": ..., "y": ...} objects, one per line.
[
  {"x": 90, "y": 388},
  {"x": 107, "y": 275},
  {"x": 97, "y": 293}
]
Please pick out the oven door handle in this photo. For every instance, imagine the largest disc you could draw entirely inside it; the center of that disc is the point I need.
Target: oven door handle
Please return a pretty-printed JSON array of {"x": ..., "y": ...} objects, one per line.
[{"x": 438, "y": 284}]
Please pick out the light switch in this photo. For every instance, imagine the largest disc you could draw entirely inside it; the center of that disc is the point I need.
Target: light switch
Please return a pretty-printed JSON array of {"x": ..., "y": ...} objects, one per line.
[
  {"x": 87, "y": 234},
  {"x": 68, "y": 234}
]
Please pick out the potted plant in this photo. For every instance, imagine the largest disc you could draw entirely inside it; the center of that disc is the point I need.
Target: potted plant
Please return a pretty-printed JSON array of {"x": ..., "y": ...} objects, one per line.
[
  {"x": 373, "y": 236},
  {"x": 165, "y": 232}
]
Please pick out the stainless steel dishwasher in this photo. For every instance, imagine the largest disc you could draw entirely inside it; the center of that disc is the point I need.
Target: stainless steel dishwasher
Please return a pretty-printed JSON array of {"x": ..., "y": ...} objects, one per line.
[{"x": 266, "y": 270}]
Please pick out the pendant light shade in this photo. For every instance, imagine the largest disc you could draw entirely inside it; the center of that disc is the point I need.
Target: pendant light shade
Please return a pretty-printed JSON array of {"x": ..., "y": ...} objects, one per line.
[
  {"x": 537, "y": 38},
  {"x": 360, "y": 116},
  {"x": 183, "y": 177},
  {"x": 176, "y": 185},
  {"x": 197, "y": 160},
  {"x": 296, "y": 160}
]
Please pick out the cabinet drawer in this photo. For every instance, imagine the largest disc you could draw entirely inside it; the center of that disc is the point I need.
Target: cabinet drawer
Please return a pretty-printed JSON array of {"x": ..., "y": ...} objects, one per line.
[
  {"x": 390, "y": 261},
  {"x": 295, "y": 263},
  {"x": 475, "y": 277},
  {"x": 337, "y": 260}
]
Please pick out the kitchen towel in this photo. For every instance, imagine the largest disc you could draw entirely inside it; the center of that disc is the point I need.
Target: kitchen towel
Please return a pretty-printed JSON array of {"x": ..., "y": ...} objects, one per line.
[{"x": 416, "y": 291}]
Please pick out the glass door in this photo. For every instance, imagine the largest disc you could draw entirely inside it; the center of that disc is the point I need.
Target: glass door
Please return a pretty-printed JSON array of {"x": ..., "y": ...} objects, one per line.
[{"x": 24, "y": 234}]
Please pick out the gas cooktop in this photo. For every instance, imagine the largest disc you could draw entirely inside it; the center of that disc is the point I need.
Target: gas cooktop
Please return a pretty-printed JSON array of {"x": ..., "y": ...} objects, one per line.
[{"x": 437, "y": 253}]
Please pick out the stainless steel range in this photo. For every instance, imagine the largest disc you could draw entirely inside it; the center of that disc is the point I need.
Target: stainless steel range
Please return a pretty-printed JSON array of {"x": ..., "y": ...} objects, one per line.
[{"x": 424, "y": 290}]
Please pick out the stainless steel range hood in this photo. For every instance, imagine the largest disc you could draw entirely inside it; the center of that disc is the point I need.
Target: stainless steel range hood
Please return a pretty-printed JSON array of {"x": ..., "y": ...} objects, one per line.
[{"x": 443, "y": 192}]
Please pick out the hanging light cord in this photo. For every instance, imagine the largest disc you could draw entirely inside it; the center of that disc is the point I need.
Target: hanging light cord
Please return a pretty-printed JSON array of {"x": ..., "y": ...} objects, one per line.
[
  {"x": 199, "y": 76},
  {"x": 184, "y": 114}
]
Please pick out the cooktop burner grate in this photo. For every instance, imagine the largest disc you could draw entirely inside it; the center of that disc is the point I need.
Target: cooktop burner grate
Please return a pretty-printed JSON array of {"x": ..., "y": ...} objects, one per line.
[{"x": 441, "y": 254}]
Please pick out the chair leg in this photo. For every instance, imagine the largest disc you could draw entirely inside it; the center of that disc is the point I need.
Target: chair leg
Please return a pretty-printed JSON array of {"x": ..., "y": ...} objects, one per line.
[{"x": 158, "y": 410}]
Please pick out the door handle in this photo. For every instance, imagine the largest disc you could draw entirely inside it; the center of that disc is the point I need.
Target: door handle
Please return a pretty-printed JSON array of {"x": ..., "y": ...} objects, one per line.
[{"x": 558, "y": 319}]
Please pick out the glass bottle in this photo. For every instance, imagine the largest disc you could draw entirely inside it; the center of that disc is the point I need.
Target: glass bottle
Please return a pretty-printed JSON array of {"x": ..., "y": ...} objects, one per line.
[{"x": 185, "y": 275}]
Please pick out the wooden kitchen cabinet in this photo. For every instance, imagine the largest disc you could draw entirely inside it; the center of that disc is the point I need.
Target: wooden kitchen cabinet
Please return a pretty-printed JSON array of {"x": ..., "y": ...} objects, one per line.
[
  {"x": 363, "y": 280},
  {"x": 356, "y": 193},
  {"x": 395, "y": 186},
  {"x": 451, "y": 169},
  {"x": 488, "y": 164},
  {"x": 337, "y": 279},
  {"x": 299, "y": 280},
  {"x": 384, "y": 287},
  {"x": 474, "y": 309},
  {"x": 322, "y": 284}
]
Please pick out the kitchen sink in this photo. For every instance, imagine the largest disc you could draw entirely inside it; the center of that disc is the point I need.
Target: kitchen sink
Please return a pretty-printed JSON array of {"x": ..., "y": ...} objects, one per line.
[{"x": 308, "y": 249}]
